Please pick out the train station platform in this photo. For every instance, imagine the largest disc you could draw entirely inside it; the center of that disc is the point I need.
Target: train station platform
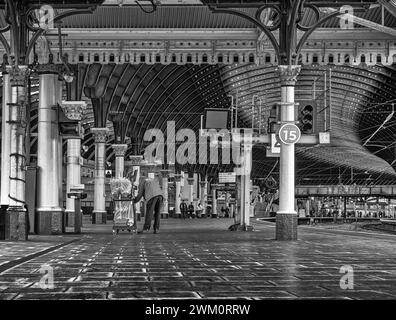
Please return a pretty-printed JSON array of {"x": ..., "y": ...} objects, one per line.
[{"x": 200, "y": 259}]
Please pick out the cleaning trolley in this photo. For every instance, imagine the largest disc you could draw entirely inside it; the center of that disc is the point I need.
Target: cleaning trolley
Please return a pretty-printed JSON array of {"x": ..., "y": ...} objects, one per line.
[{"x": 124, "y": 211}]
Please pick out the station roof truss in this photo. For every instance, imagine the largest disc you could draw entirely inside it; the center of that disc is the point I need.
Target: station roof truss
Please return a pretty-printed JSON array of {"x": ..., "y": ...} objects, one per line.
[{"x": 358, "y": 105}]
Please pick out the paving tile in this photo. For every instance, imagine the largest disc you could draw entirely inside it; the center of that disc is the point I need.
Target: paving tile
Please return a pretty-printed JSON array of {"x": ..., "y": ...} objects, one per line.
[{"x": 200, "y": 259}]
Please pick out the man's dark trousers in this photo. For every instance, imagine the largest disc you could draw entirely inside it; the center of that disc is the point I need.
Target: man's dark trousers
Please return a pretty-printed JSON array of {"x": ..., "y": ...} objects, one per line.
[{"x": 153, "y": 207}]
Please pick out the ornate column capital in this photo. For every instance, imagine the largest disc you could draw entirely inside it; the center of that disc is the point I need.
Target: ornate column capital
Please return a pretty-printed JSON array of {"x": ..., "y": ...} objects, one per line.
[
  {"x": 120, "y": 149},
  {"x": 136, "y": 160},
  {"x": 190, "y": 181},
  {"x": 48, "y": 68},
  {"x": 203, "y": 183},
  {"x": 100, "y": 134},
  {"x": 288, "y": 74},
  {"x": 178, "y": 177},
  {"x": 74, "y": 109},
  {"x": 18, "y": 74}
]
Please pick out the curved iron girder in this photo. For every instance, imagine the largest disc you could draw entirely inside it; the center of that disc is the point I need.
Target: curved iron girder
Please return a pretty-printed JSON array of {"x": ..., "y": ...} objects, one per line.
[
  {"x": 127, "y": 87},
  {"x": 112, "y": 85},
  {"x": 196, "y": 126},
  {"x": 148, "y": 71},
  {"x": 146, "y": 88},
  {"x": 176, "y": 89},
  {"x": 164, "y": 80},
  {"x": 169, "y": 94},
  {"x": 359, "y": 77},
  {"x": 169, "y": 85},
  {"x": 120, "y": 84},
  {"x": 96, "y": 91}
]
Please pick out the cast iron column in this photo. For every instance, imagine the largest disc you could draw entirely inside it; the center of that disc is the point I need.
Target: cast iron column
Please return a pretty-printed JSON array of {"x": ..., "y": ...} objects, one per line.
[
  {"x": 49, "y": 212},
  {"x": 286, "y": 217},
  {"x": 165, "y": 209},
  {"x": 73, "y": 111},
  {"x": 178, "y": 178},
  {"x": 100, "y": 136},
  {"x": 16, "y": 212},
  {"x": 119, "y": 150},
  {"x": 5, "y": 139}
]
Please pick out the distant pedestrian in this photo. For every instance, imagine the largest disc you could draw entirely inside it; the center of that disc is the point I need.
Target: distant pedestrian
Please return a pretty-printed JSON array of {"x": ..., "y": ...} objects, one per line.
[
  {"x": 199, "y": 210},
  {"x": 191, "y": 210},
  {"x": 183, "y": 209},
  {"x": 227, "y": 212}
]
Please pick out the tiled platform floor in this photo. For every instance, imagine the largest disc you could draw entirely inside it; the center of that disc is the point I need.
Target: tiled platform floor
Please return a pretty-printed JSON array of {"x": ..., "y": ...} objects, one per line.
[{"x": 202, "y": 259}]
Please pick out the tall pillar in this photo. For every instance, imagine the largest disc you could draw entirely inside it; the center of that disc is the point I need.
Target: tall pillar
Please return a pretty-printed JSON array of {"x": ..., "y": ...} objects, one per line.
[
  {"x": 73, "y": 111},
  {"x": 59, "y": 158},
  {"x": 165, "y": 207},
  {"x": 307, "y": 207},
  {"x": 204, "y": 193},
  {"x": 246, "y": 186},
  {"x": 286, "y": 217},
  {"x": 16, "y": 213},
  {"x": 178, "y": 178},
  {"x": 214, "y": 201},
  {"x": 190, "y": 190},
  {"x": 49, "y": 212},
  {"x": 119, "y": 150},
  {"x": 5, "y": 139},
  {"x": 99, "y": 211}
]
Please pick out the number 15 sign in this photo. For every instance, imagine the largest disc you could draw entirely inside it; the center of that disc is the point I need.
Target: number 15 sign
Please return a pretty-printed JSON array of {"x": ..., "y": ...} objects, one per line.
[{"x": 289, "y": 133}]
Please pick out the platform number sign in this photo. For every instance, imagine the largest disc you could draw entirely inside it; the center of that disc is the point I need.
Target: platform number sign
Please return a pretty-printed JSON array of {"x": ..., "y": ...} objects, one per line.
[
  {"x": 289, "y": 133},
  {"x": 275, "y": 144}
]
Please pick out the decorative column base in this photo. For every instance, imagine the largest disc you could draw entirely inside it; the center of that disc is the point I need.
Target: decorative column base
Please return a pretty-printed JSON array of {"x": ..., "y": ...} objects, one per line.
[
  {"x": 286, "y": 226},
  {"x": 70, "y": 216},
  {"x": 50, "y": 221},
  {"x": 15, "y": 225},
  {"x": 99, "y": 217}
]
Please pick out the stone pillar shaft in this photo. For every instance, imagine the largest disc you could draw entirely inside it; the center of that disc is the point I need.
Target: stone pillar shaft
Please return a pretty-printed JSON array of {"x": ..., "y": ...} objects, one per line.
[
  {"x": 73, "y": 111},
  {"x": 190, "y": 190},
  {"x": 214, "y": 200},
  {"x": 286, "y": 218},
  {"x": 178, "y": 178},
  {"x": 5, "y": 140},
  {"x": 59, "y": 158},
  {"x": 245, "y": 185},
  {"x": 48, "y": 207},
  {"x": 204, "y": 193},
  {"x": 100, "y": 135},
  {"x": 16, "y": 213},
  {"x": 73, "y": 170},
  {"x": 165, "y": 209},
  {"x": 120, "y": 150}
]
